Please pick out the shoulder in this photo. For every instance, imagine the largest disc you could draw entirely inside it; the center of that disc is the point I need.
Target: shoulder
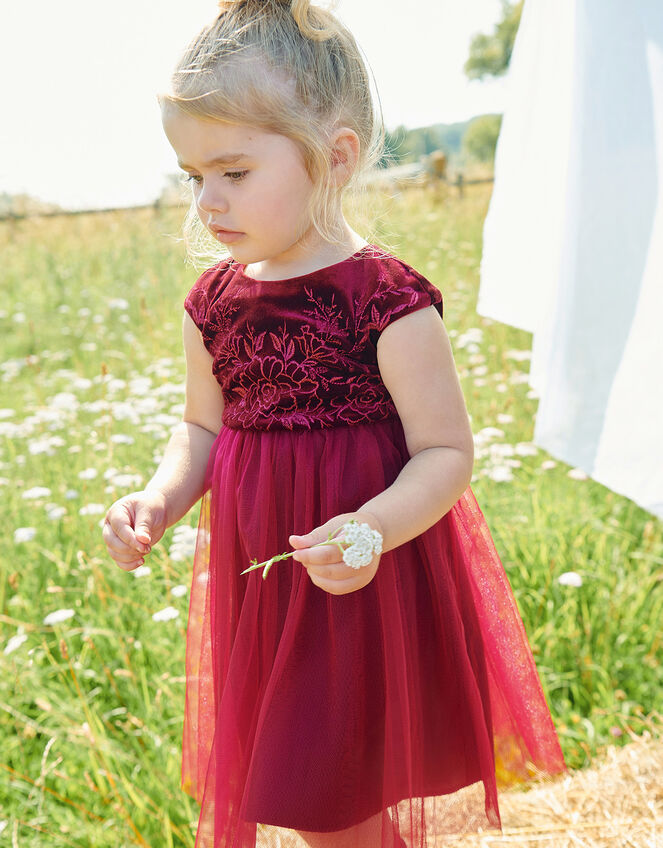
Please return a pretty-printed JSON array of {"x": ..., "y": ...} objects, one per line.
[
  {"x": 207, "y": 289},
  {"x": 392, "y": 289}
]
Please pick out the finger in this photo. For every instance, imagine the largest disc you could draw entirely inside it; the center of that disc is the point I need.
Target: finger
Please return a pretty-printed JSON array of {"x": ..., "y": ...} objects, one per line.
[
  {"x": 143, "y": 525},
  {"x": 323, "y": 555},
  {"x": 120, "y": 522},
  {"x": 335, "y": 587},
  {"x": 120, "y": 552},
  {"x": 319, "y": 534}
]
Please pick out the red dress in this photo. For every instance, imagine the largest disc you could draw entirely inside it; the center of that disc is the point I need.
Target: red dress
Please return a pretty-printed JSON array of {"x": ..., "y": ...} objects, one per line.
[{"x": 415, "y": 695}]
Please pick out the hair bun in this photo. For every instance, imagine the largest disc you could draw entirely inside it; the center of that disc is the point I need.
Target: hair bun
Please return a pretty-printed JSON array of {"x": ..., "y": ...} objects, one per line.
[{"x": 311, "y": 20}]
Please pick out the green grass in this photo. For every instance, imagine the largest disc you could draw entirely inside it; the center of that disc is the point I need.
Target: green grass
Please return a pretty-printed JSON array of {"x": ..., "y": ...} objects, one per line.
[{"x": 91, "y": 708}]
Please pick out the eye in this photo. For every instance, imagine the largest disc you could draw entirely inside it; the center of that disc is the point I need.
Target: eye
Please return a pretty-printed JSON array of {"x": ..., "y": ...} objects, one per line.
[
  {"x": 236, "y": 176},
  {"x": 193, "y": 178}
]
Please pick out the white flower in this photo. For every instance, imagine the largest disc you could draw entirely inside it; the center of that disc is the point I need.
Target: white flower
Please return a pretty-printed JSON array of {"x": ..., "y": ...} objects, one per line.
[
  {"x": 570, "y": 578},
  {"x": 488, "y": 433},
  {"x": 184, "y": 543},
  {"x": 54, "y": 512},
  {"x": 518, "y": 355},
  {"x": 121, "y": 439},
  {"x": 499, "y": 473},
  {"x": 15, "y": 642},
  {"x": 548, "y": 464},
  {"x": 166, "y": 614},
  {"x": 577, "y": 474},
  {"x": 7, "y": 413},
  {"x": 364, "y": 544},
  {"x": 503, "y": 418},
  {"x": 71, "y": 494},
  {"x": 36, "y": 492},
  {"x": 118, "y": 303},
  {"x": 126, "y": 481},
  {"x": 526, "y": 449},
  {"x": 58, "y": 616},
  {"x": 24, "y": 534},
  {"x": 178, "y": 591},
  {"x": 92, "y": 509},
  {"x": 88, "y": 474},
  {"x": 142, "y": 571}
]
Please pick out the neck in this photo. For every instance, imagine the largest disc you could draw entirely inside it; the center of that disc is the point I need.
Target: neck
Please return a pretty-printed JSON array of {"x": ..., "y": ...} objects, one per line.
[{"x": 313, "y": 253}]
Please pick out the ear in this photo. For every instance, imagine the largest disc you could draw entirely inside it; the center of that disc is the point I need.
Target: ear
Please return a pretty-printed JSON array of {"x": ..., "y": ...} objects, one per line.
[{"x": 344, "y": 154}]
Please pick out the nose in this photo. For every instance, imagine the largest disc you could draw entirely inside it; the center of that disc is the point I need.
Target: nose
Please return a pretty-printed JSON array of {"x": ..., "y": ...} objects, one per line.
[{"x": 211, "y": 197}]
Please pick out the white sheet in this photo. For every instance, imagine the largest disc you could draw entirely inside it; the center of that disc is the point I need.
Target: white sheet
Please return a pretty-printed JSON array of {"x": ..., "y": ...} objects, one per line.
[{"x": 573, "y": 239}]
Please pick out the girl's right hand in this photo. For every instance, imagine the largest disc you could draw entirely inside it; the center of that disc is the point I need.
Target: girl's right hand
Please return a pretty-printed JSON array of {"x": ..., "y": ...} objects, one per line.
[{"x": 132, "y": 525}]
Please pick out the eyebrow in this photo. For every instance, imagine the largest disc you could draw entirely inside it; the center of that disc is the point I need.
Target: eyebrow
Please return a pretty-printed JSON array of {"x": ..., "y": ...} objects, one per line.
[{"x": 225, "y": 159}]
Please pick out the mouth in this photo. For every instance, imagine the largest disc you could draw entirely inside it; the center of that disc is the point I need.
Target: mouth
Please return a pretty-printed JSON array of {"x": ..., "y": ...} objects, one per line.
[{"x": 225, "y": 236}]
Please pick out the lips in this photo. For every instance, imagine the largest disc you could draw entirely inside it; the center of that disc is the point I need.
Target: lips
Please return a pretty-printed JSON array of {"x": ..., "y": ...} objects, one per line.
[{"x": 225, "y": 236}]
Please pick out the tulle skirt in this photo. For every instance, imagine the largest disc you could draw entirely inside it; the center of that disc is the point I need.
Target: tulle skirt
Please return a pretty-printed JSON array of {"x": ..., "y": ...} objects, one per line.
[{"x": 389, "y": 713}]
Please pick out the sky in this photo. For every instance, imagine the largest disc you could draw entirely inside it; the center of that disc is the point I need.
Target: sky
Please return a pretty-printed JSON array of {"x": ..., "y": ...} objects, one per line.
[{"x": 80, "y": 124}]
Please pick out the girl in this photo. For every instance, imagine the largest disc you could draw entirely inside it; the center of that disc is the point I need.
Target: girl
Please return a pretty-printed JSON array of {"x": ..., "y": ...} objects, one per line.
[{"x": 363, "y": 707}]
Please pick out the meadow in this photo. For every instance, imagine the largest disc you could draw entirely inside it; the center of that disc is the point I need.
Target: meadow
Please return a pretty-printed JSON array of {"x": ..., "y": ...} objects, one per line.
[{"x": 92, "y": 658}]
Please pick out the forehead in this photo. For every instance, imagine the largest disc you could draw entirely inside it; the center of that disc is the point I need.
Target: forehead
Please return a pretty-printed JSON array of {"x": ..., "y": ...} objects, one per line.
[{"x": 198, "y": 141}]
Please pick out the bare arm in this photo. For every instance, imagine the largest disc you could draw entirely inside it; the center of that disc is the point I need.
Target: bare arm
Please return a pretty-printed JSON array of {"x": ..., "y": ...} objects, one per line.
[
  {"x": 181, "y": 473},
  {"x": 138, "y": 520},
  {"x": 417, "y": 367}
]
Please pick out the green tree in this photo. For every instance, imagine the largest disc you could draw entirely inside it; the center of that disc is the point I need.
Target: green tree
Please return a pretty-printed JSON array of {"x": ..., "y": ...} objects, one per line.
[
  {"x": 490, "y": 54},
  {"x": 480, "y": 137}
]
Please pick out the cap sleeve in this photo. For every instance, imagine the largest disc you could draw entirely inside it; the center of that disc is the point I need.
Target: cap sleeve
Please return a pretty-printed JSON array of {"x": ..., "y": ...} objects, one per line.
[
  {"x": 203, "y": 294},
  {"x": 399, "y": 291}
]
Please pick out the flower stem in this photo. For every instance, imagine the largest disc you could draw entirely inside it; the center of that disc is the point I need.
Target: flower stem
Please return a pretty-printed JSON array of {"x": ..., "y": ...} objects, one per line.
[{"x": 268, "y": 563}]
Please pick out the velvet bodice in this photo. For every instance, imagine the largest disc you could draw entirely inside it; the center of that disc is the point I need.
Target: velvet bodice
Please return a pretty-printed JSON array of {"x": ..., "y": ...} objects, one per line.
[{"x": 301, "y": 353}]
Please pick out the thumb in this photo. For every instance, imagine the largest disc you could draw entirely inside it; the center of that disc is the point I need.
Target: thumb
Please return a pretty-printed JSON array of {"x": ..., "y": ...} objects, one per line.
[
  {"x": 316, "y": 536},
  {"x": 143, "y": 526}
]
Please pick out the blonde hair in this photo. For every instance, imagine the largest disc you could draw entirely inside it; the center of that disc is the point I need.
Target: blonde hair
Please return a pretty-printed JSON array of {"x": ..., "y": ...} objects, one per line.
[{"x": 287, "y": 67}]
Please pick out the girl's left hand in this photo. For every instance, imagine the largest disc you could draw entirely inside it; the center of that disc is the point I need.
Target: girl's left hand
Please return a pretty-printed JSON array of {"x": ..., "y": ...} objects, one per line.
[{"x": 325, "y": 563}]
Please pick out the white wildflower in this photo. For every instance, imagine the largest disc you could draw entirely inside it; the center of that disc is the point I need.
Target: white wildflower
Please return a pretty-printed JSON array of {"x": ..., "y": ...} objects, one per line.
[
  {"x": 92, "y": 509},
  {"x": 518, "y": 355},
  {"x": 499, "y": 473},
  {"x": 548, "y": 464},
  {"x": 24, "y": 534},
  {"x": 36, "y": 492},
  {"x": 503, "y": 418},
  {"x": 526, "y": 449},
  {"x": 71, "y": 494},
  {"x": 19, "y": 317},
  {"x": 166, "y": 614},
  {"x": 55, "y": 512},
  {"x": 184, "y": 543},
  {"x": 487, "y": 433},
  {"x": 179, "y": 591},
  {"x": 15, "y": 642},
  {"x": 88, "y": 474},
  {"x": 142, "y": 571},
  {"x": 577, "y": 474},
  {"x": 45, "y": 445},
  {"x": 570, "y": 578},
  {"x": 7, "y": 413},
  {"x": 121, "y": 439},
  {"x": 118, "y": 303},
  {"x": 58, "y": 617},
  {"x": 364, "y": 544}
]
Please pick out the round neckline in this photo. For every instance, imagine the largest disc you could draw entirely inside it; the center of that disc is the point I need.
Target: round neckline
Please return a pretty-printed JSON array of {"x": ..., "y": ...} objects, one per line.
[{"x": 241, "y": 269}]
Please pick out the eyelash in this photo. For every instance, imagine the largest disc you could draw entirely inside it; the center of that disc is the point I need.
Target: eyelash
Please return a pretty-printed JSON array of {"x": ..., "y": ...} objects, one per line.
[{"x": 233, "y": 176}]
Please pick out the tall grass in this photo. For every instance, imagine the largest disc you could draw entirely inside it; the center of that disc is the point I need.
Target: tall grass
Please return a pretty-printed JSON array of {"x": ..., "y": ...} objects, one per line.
[{"x": 91, "y": 699}]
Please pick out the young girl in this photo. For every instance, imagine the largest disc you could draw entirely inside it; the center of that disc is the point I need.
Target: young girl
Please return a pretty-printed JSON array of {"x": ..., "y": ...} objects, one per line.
[{"x": 362, "y": 707}]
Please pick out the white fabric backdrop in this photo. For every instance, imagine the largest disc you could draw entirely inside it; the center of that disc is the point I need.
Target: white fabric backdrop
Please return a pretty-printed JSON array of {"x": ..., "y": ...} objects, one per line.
[{"x": 573, "y": 239}]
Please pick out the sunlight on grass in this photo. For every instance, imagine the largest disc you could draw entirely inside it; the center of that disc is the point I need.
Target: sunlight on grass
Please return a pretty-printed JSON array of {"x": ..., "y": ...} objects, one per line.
[{"x": 91, "y": 382}]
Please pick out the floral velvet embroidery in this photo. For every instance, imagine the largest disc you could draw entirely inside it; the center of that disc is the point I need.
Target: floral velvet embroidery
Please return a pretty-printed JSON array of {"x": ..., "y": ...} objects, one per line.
[{"x": 302, "y": 353}]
